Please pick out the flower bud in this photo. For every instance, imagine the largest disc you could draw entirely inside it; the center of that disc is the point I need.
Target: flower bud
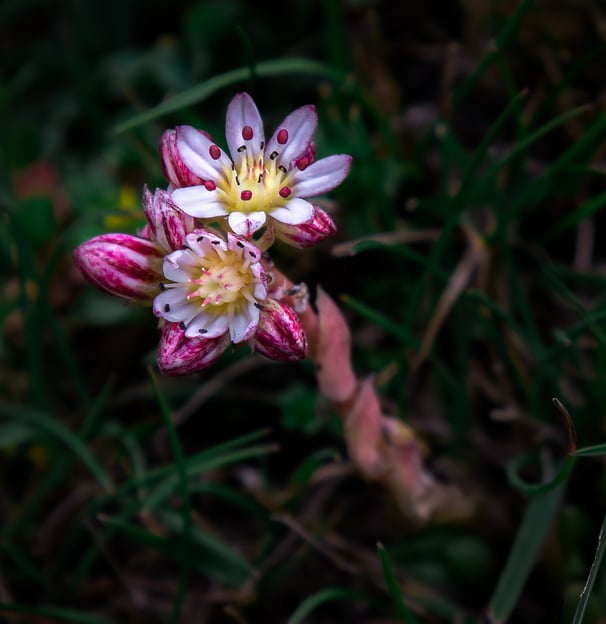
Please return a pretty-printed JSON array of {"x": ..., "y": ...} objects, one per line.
[
  {"x": 279, "y": 334},
  {"x": 123, "y": 265},
  {"x": 179, "y": 355},
  {"x": 309, "y": 233},
  {"x": 167, "y": 225},
  {"x": 173, "y": 167}
]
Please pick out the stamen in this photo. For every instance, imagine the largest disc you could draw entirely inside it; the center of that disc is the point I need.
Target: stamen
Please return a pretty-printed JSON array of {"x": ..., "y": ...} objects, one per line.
[
  {"x": 182, "y": 326},
  {"x": 245, "y": 195},
  {"x": 258, "y": 306},
  {"x": 302, "y": 163},
  {"x": 216, "y": 242},
  {"x": 215, "y": 152},
  {"x": 284, "y": 192},
  {"x": 167, "y": 307},
  {"x": 262, "y": 145},
  {"x": 282, "y": 136},
  {"x": 247, "y": 133},
  {"x": 209, "y": 185},
  {"x": 162, "y": 286},
  {"x": 260, "y": 178},
  {"x": 241, "y": 148},
  {"x": 252, "y": 254},
  {"x": 282, "y": 168},
  {"x": 240, "y": 244},
  {"x": 273, "y": 156},
  {"x": 202, "y": 330},
  {"x": 200, "y": 238},
  {"x": 237, "y": 180}
]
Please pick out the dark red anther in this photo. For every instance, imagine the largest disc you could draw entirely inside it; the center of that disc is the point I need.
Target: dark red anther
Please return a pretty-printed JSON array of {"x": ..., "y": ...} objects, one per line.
[
  {"x": 282, "y": 136},
  {"x": 247, "y": 133},
  {"x": 209, "y": 185},
  {"x": 215, "y": 152},
  {"x": 285, "y": 192},
  {"x": 245, "y": 195},
  {"x": 302, "y": 163}
]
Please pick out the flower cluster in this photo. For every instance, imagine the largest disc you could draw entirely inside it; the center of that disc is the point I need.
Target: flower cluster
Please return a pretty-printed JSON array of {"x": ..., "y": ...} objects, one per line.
[{"x": 201, "y": 260}]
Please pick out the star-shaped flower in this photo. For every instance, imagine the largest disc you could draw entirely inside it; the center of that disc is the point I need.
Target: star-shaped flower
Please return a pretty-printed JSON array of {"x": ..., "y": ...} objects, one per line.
[{"x": 263, "y": 181}]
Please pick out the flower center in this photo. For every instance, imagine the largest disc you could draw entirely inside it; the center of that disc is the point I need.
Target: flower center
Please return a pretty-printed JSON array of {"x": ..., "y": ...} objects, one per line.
[
  {"x": 256, "y": 185},
  {"x": 224, "y": 279}
]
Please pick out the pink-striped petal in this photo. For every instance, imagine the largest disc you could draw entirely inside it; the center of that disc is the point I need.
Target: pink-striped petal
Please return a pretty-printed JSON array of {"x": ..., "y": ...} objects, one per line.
[
  {"x": 122, "y": 265},
  {"x": 244, "y": 129},
  {"x": 321, "y": 176},
  {"x": 179, "y": 355},
  {"x": 168, "y": 225},
  {"x": 173, "y": 167},
  {"x": 293, "y": 136},
  {"x": 309, "y": 233}
]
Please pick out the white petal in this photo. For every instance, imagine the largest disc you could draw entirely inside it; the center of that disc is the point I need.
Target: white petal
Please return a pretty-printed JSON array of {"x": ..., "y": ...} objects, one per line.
[
  {"x": 203, "y": 242},
  {"x": 321, "y": 176},
  {"x": 246, "y": 223},
  {"x": 241, "y": 112},
  {"x": 246, "y": 249},
  {"x": 214, "y": 324},
  {"x": 199, "y": 202},
  {"x": 300, "y": 126},
  {"x": 173, "y": 306},
  {"x": 179, "y": 265},
  {"x": 242, "y": 326},
  {"x": 295, "y": 211},
  {"x": 194, "y": 149}
]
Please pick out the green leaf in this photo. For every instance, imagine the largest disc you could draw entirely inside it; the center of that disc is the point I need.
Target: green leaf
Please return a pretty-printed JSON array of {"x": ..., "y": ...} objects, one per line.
[
  {"x": 315, "y": 600},
  {"x": 404, "y": 613},
  {"x": 199, "y": 93},
  {"x": 523, "y": 555}
]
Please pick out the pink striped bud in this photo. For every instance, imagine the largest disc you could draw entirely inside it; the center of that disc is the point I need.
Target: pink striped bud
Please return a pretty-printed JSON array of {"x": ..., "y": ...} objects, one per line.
[
  {"x": 313, "y": 231},
  {"x": 179, "y": 355},
  {"x": 279, "y": 334},
  {"x": 167, "y": 225},
  {"x": 173, "y": 167},
  {"x": 123, "y": 265}
]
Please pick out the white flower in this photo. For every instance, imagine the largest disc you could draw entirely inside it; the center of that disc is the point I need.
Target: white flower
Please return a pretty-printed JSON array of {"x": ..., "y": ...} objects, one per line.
[
  {"x": 262, "y": 180},
  {"x": 215, "y": 287}
]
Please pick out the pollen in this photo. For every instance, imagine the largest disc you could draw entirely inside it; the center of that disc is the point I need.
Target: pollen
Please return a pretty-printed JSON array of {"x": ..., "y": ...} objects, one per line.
[
  {"x": 247, "y": 133},
  {"x": 282, "y": 136}
]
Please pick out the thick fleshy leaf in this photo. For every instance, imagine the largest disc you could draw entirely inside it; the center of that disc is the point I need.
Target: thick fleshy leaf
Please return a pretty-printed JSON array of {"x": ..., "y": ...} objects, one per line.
[
  {"x": 294, "y": 212},
  {"x": 199, "y": 202},
  {"x": 322, "y": 175},
  {"x": 279, "y": 334},
  {"x": 293, "y": 136},
  {"x": 246, "y": 223},
  {"x": 244, "y": 129},
  {"x": 201, "y": 155},
  {"x": 336, "y": 378},
  {"x": 179, "y": 355},
  {"x": 168, "y": 225},
  {"x": 122, "y": 265},
  {"x": 309, "y": 233}
]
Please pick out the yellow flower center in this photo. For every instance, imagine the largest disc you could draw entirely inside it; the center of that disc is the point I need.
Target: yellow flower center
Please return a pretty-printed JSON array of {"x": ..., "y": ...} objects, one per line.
[{"x": 225, "y": 283}]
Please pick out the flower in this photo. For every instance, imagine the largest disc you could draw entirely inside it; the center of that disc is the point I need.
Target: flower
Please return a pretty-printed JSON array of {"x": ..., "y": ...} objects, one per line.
[
  {"x": 129, "y": 266},
  {"x": 215, "y": 286},
  {"x": 218, "y": 288},
  {"x": 262, "y": 181}
]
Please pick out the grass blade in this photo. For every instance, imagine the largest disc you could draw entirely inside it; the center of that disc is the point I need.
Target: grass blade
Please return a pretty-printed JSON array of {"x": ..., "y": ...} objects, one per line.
[
  {"x": 404, "y": 613},
  {"x": 523, "y": 554}
]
